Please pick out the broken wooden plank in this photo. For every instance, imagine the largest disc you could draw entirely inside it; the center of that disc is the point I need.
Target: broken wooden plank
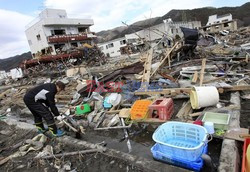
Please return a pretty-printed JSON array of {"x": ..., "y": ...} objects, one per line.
[
  {"x": 184, "y": 111},
  {"x": 236, "y": 134},
  {"x": 147, "y": 69},
  {"x": 195, "y": 77},
  {"x": 215, "y": 79},
  {"x": 203, "y": 66},
  {"x": 163, "y": 91},
  {"x": 112, "y": 112},
  {"x": 111, "y": 128},
  {"x": 238, "y": 88},
  {"x": 187, "y": 90},
  {"x": 166, "y": 57},
  {"x": 195, "y": 114},
  {"x": 63, "y": 96},
  {"x": 65, "y": 154},
  {"x": 150, "y": 120},
  {"x": 124, "y": 113}
]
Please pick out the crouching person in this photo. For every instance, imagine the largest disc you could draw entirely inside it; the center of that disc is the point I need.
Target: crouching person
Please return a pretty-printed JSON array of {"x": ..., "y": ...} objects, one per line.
[{"x": 41, "y": 102}]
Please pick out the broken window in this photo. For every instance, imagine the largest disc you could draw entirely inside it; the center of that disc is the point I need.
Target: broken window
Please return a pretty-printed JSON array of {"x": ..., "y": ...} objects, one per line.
[
  {"x": 43, "y": 51},
  {"x": 38, "y": 37},
  {"x": 110, "y": 45},
  {"x": 59, "y": 47},
  {"x": 74, "y": 44},
  {"x": 226, "y": 24},
  {"x": 123, "y": 42},
  {"x": 82, "y": 29},
  {"x": 107, "y": 47},
  {"x": 172, "y": 31},
  {"x": 58, "y": 32}
]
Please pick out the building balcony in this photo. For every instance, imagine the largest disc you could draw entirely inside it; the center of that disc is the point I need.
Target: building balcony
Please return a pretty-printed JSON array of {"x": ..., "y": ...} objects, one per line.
[{"x": 69, "y": 38}]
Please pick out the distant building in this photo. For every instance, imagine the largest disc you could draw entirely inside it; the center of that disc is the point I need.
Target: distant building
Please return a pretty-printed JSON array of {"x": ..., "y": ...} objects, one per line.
[
  {"x": 221, "y": 23},
  {"x": 214, "y": 19},
  {"x": 113, "y": 48},
  {"x": 153, "y": 34},
  {"x": 53, "y": 32},
  {"x": 169, "y": 28}
]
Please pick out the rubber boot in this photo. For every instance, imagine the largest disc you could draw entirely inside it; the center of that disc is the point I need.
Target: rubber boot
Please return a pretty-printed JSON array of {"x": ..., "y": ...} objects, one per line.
[
  {"x": 55, "y": 132},
  {"x": 40, "y": 127}
]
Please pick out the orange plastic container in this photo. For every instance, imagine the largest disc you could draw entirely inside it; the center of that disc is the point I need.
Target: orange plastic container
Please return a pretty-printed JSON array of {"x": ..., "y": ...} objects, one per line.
[
  {"x": 245, "y": 158},
  {"x": 139, "y": 109}
]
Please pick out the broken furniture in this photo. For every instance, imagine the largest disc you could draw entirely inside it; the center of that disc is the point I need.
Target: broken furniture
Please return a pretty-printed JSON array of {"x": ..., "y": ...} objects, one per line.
[{"x": 163, "y": 107}]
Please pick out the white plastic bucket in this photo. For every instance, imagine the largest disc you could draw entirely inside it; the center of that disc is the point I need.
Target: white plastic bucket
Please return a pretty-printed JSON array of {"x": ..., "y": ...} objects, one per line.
[{"x": 204, "y": 97}]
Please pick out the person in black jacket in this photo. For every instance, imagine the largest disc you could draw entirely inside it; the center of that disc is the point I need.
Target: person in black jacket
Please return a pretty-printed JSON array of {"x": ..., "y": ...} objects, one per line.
[{"x": 39, "y": 99}]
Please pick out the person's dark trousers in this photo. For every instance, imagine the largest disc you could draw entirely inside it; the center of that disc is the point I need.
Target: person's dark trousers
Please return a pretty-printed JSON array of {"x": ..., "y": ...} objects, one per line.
[{"x": 40, "y": 112}]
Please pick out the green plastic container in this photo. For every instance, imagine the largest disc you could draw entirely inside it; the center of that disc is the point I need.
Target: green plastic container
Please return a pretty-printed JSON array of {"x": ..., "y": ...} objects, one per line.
[
  {"x": 82, "y": 109},
  {"x": 220, "y": 120}
]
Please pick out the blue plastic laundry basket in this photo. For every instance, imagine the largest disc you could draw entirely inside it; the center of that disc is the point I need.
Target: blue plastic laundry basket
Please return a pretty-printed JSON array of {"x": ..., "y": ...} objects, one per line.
[
  {"x": 183, "y": 141},
  {"x": 193, "y": 165}
]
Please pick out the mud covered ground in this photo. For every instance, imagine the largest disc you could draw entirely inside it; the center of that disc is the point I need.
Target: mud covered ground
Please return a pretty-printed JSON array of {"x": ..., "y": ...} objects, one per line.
[{"x": 10, "y": 139}]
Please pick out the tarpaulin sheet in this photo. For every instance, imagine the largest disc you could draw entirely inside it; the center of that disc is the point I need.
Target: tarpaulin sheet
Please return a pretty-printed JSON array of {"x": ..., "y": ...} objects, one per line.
[{"x": 191, "y": 36}]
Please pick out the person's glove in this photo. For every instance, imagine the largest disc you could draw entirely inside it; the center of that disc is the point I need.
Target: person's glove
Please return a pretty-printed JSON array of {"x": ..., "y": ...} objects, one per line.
[{"x": 60, "y": 117}]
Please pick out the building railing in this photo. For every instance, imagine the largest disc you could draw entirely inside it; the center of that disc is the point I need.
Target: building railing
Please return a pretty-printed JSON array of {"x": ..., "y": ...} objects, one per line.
[{"x": 67, "y": 38}]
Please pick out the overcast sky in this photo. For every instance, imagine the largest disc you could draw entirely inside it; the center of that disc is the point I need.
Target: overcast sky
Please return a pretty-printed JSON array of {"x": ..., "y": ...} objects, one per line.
[{"x": 107, "y": 14}]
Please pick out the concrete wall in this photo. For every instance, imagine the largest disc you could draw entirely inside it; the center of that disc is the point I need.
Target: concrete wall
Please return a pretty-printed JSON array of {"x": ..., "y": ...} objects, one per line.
[
  {"x": 55, "y": 13},
  {"x": 16, "y": 73},
  {"x": 4, "y": 74},
  {"x": 214, "y": 19},
  {"x": 31, "y": 34}
]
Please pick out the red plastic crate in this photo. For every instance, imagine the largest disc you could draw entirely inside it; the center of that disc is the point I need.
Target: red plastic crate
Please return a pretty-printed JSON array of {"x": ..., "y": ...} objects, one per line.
[
  {"x": 164, "y": 108},
  {"x": 245, "y": 146}
]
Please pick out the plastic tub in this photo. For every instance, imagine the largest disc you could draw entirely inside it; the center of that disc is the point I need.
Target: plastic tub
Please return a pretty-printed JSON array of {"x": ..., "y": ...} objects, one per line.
[
  {"x": 220, "y": 120},
  {"x": 181, "y": 140},
  {"x": 203, "y": 97},
  {"x": 193, "y": 165}
]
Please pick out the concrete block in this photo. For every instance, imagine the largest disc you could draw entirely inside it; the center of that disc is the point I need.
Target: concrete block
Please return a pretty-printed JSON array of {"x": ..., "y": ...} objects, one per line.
[{"x": 229, "y": 157}]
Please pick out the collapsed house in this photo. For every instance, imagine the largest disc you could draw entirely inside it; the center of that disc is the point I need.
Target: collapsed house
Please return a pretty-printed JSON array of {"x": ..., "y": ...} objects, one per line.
[
  {"x": 162, "y": 34},
  {"x": 220, "y": 24},
  {"x": 53, "y": 37}
]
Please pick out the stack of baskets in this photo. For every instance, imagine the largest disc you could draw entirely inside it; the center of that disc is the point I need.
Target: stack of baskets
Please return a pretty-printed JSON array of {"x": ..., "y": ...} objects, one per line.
[{"x": 181, "y": 144}]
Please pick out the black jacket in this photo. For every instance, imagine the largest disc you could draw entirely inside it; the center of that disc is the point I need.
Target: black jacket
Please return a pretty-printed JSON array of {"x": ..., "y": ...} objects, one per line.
[{"x": 44, "y": 93}]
